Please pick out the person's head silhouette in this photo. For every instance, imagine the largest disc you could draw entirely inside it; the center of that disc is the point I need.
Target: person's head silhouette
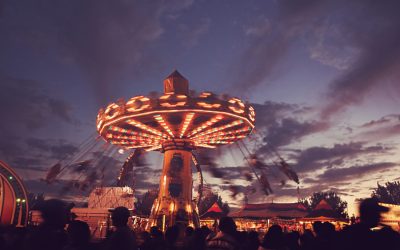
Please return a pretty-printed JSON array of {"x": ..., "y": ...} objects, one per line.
[
  {"x": 55, "y": 213},
  {"x": 370, "y": 212},
  {"x": 120, "y": 216},
  {"x": 78, "y": 233},
  {"x": 227, "y": 225}
]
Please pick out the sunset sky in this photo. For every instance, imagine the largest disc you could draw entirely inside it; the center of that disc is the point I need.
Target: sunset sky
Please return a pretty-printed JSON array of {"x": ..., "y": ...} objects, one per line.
[{"x": 324, "y": 78}]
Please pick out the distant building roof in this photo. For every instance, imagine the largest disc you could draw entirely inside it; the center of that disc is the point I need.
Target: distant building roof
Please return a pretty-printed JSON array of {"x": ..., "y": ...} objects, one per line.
[
  {"x": 323, "y": 204},
  {"x": 271, "y": 210},
  {"x": 213, "y": 212},
  {"x": 323, "y": 209},
  {"x": 111, "y": 197}
]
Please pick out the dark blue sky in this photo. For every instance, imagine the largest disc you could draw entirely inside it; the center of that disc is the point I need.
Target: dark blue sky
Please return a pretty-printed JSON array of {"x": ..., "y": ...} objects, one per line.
[{"x": 323, "y": 75}]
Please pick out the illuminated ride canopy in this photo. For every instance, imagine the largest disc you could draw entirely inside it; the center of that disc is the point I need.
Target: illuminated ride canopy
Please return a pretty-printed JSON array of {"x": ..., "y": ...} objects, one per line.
[
  {"x": 175, "y": 124},
  {"x": 13, "y": 198}
]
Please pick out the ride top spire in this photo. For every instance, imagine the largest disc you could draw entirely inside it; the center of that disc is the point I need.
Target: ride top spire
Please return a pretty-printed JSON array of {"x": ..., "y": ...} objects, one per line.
[{"x": 175, "y": 83}]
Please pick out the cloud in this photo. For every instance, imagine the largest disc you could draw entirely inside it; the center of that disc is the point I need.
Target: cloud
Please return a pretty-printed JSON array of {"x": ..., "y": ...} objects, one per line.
[
  {"x": 382, "y": 121},
  {"x": 56, "y": 149},
  {"x": 284, "y": 123},
  {"x": 377, "y": 39},
  {"x": 269, "y": 111},
  {"x": 266, "y": 50},
  {"x": 354, "y": 172},
  {"x": 365, "y": 52},
  {"x": 315, "y": 158},
  {"x": 104, "y": 39},
  {"x": 288, "y": 130},
  {"x": 192, "y": 35},
  {"x": 260, "y": 27},
  {"x": 28, "y": 110},
  {"x": 387, "y": 127},
  {"x": 330, "y": 47},
  {"x": 28, "y": 107}
]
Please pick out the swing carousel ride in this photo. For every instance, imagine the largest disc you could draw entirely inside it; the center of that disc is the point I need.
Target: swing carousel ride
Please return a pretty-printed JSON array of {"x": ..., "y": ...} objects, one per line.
[
  {"x": 178, "y": 124},
  {"x": 175, "y": 124}
]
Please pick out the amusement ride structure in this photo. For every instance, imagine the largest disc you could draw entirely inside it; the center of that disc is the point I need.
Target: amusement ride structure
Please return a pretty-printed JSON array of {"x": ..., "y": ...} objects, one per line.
[
  {"x": 175, "y": 124},
  {"x": 13, "y": 198}
]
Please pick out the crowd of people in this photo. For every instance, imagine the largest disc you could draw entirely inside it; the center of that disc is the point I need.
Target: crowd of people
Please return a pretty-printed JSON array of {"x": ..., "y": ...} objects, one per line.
[{"x": 51, "y": 234}]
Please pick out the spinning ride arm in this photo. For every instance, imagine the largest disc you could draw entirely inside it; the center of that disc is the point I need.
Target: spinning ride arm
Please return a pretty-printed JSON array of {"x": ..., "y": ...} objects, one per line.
[{"x": 200, "y": 176}]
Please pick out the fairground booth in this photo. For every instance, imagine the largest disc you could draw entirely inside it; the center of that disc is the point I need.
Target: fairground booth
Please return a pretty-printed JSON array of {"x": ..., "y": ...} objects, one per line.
[
  {"x": 211, "y": 216},
  {"x": 323, "y": 212},
  {"x": 259, "y": 217}
]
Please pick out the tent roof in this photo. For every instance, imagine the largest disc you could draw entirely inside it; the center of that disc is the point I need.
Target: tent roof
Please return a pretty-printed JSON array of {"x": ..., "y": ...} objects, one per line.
[
  {"x": 323, "y": 210},
  {"x": 323, "y": 204},
  {"x": 214, "y": 208},
  {"x": 271, "y": 210},
  {"x": 213, "y": 212}
]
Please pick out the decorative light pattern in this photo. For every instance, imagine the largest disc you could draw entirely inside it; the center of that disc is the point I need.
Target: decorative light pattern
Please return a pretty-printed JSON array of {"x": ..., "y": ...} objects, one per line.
[
  {"x": 154, "y": 148},
  {"x": 111, "y": 111},
  {"x": 237, "y": 105},
  {"x": 144, "y": 127},
  {"x": 188, "y": 120},
  {"x": 252, "y": 114},
  {"x": 204, "y": 145},
  {"x": 163, "y": 124},
  {"x": 209, "y": 105},
  {"x": 167, "y": 103},
  {"x": 205, "y": 125},
  {"x": 229, "y": 125},
  {"x": 205, "y": 94},
  {"x": 137, "y": 103},
  {"x": 128, "y": 124},
  {"x": 130, "y": 132}
]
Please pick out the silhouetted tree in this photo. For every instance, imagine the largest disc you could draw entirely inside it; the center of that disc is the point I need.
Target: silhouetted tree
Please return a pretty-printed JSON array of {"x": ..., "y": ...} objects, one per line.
[
  {"x": 331, "y": 198},
  {"x": 388, "y": 193},
  {"x": 35, "y": 200},
  {"x": 143, "y": 204}
]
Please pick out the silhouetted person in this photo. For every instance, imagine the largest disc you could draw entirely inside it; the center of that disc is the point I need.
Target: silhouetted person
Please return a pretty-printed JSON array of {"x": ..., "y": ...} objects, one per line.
[
  {"x": 241, "y": 238},
  {"x": 123, "y": 238},
  {"x": 197, "y": 240},
  {"x": 225, "y": 238},
  {"x": 188, "y": 236},
  {"x": 292, "y": 240},
  {"x": 50, "y": 234},
  {"x": 171, "y": 237},
  {"x": 252, "y": 241},
  {"x": 307, "y": 240},
  {"x": 206, "y": 231},
  {"x": 78, "y": 236},
  {"x": 12, "y": 238},
  {"x": 361, "y": 235},
  {"x": 325, "y": 236},
  {"x": 145, "y": 241},
  {"x": 273, "y": 239},
  {"x": 156, "y": 241}
]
